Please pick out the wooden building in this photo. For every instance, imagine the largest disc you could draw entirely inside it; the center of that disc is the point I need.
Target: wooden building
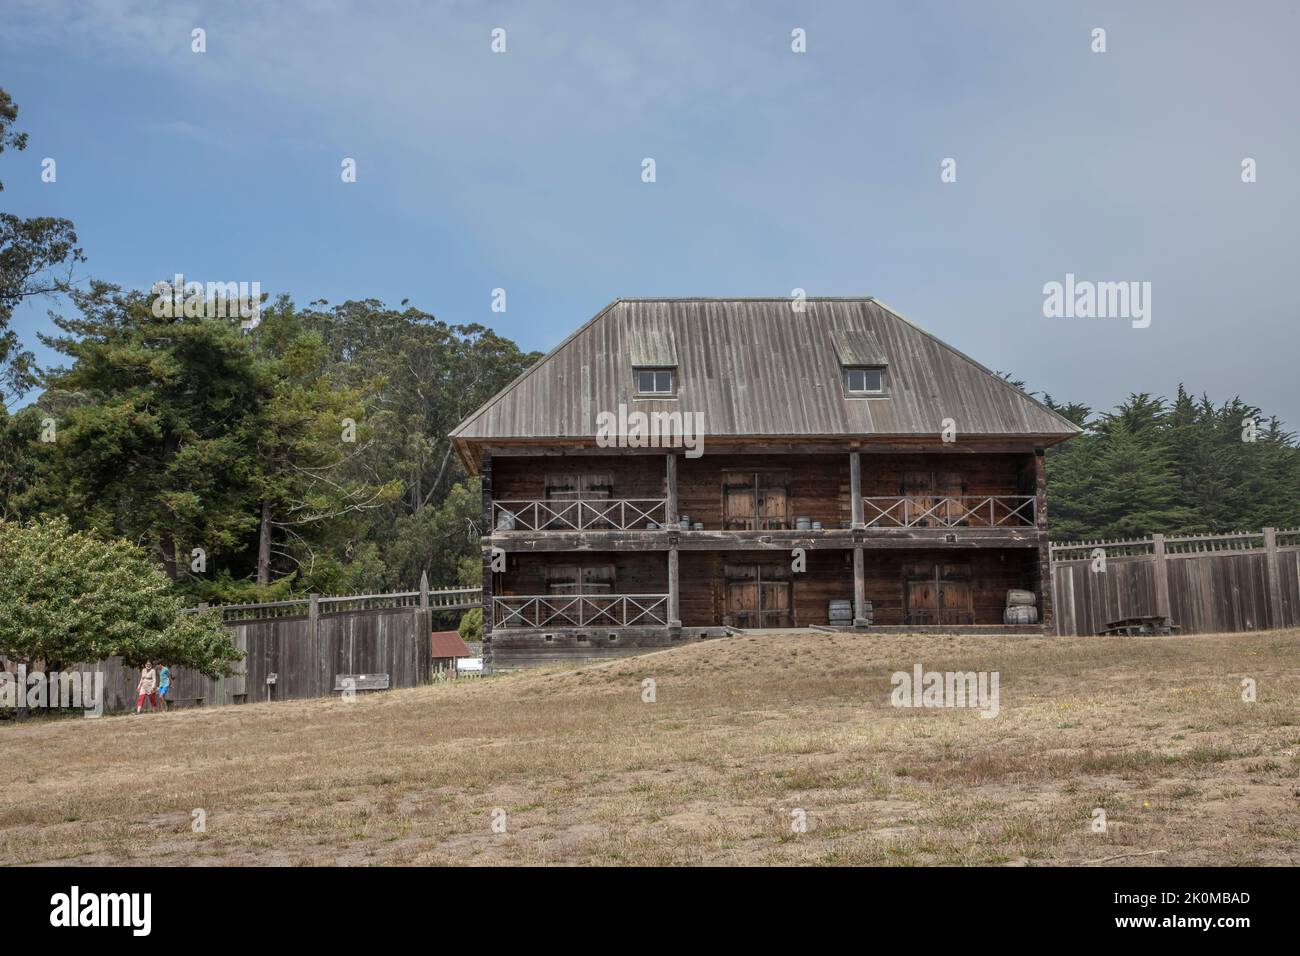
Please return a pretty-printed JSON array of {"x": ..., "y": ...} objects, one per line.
[
  {"x": 676, "y": 467},
  {"x": 446, "y": 650}
]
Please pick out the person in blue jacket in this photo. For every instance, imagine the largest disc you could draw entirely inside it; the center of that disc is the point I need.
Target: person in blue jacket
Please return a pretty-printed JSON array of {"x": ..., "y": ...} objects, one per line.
[{"x": 164, "y": 685}]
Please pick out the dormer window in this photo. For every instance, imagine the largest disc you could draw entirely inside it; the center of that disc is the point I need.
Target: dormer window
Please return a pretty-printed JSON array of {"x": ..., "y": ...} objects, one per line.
[
  {"x": 862, "y": 362},
  {"x": 864, "y": 380},
  {"x": 655, "y": 382}
]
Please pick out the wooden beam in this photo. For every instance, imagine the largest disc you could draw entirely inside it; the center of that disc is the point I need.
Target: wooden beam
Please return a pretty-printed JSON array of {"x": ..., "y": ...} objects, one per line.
[
  {"x": 855, "y": 488},
  {"x": 485, "y": 478},
  {"x": 1045, "y": 613},
  {"x": 1161, "y": 572},
  {"x": 859, "y": 589},
  {"x": 814, "y": 445},
  {"x": 313, "y": 631},
  {"x": 670, "y": 464},
  {"x": 828, "y": 539},
  {"x": 674, "y": 590},
  {"x": 1040, "y": 489},
  {"x": 1276, "y": 612}
]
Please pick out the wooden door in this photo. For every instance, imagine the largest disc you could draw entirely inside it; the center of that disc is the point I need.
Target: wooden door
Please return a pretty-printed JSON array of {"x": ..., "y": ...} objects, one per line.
[
  {"x": 758, "y": 595},
  {"x": 578, "y": 488},
  {"x": 948, "y": 484},
  {"x": 580, "y": 579},
  {"x": 956, "y": 596},
  {"x": 563, "y": 579},
  {"x": 918, "y": 487},
  {"x": 738, "y": 507},
  {"x": 742, "y": 594},
  {"x": 773, "y": 495},
  {"x": 928, "y": 489},
  {"x": 598, "y": 579},
  {"x": 921, "y": 594},
  {"x": 755, "y": 501},
  {"x": 774, "y": 603}
]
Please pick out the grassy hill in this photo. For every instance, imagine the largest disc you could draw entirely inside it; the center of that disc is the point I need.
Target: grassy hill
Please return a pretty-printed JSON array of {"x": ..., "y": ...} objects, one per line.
[{"x": 743, "y": 733}]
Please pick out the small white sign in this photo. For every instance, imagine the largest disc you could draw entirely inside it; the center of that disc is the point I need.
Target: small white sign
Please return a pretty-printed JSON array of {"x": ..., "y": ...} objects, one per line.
[{"x": 470, "y": 665}]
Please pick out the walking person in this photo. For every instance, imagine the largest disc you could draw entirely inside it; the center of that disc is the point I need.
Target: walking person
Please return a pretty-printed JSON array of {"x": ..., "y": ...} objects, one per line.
[
  {"x": 147, "y": 689},
  {"x": 164, "y": 685}
]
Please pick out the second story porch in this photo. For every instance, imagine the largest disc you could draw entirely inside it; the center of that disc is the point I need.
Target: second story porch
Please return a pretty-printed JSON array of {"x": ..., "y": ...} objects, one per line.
[{"x": 644, "y": 500}]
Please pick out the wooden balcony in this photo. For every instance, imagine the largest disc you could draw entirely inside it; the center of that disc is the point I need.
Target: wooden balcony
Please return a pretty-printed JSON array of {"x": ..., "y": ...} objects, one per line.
[
  {"x": 978, "y": 511},
  {"x": 599, "y": 514},
  {"x": 580, "y": 610}
]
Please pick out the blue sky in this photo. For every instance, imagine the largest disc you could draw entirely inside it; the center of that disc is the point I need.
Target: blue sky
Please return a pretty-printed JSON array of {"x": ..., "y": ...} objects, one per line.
[{"x": 775, "y": 170}]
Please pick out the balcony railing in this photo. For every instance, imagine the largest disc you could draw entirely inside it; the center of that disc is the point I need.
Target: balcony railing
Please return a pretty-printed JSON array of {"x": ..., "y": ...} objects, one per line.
[
  {"x": 990, "y": 511},
  {"x": 599, "y": 514},
  {"x": 579, "y": 610}
]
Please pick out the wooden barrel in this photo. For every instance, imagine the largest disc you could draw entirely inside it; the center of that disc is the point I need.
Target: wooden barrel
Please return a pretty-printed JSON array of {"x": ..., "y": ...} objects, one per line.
[
  {"x": 840, "y": 612},
  {"x": 1020, "y": 614},
  {"x": 803, "y": 524},
  {"x": 1016, "y": 597}
]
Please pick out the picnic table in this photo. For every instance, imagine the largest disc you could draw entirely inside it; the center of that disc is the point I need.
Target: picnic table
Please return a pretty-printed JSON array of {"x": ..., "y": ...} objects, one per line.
[{"x": 1141, "y": 624}]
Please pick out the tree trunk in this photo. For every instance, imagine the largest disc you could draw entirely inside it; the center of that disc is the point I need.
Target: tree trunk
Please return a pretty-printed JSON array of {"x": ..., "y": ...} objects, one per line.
[
  {"x": 264, "y": 545},
  {"x": 167, "y": 551}
]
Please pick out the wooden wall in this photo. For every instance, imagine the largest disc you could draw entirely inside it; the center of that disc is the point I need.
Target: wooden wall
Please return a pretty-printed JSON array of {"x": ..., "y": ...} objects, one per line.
[
  {"x": 1212, "y": 592},
  {"x": 884, "y": 475},
  {"x": 1083, "y": 601},
  {"x": 393, "y": 641},
  {"x": 829, "y": 576},
  {"x": 524, "y": 479},
  {"x": 818, "y": 483},
  {"x": 635, "y": 572}
]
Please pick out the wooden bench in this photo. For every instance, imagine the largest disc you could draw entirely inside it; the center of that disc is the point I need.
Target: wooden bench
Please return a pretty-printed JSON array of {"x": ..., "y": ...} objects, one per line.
[
  {"x": 1141, "y": 624},
  {"x": 361, "y": 682}
]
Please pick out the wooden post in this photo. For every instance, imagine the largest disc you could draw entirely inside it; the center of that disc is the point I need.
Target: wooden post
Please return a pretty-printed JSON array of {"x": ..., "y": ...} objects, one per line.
[
  {"x": 670, "y": 510},
  {"x": 1161, "y": 572},
  {"x": 1276, "y": 612},
  {"x": 855, "y": 488},
  {"x": 426, "y": 621},
  {"x": 859, "y": 589},
  {"x": 1040, "y": 489},
  {"x": 313, "y": 629},
  {"x": 485, "y": 480},
  {"x": 1044, "y": 546},
  {"x": 674, "y": 592}
]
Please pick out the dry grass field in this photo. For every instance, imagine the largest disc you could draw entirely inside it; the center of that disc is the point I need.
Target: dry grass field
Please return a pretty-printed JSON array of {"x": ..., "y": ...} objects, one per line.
[{"x": 743, "y": 732}]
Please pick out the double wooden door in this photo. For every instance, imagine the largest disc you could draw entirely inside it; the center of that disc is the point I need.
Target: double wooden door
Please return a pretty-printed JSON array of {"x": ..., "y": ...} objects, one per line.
[
  {"x": 755, "y": 500},
  {"x": 935, "y": 495},
  {"x": 758, "y": 595},
  {"x": 938, "y": 593}
]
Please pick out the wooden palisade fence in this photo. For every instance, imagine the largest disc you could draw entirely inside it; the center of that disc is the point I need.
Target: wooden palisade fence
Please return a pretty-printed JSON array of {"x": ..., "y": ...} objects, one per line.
[
  {"x": 305, "y": 643},
  {"x": 1243, "y": 581}
]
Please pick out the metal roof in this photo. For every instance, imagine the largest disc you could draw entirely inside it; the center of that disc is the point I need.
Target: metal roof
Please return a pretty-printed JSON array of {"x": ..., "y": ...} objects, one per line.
[
  {"x": 449, "y": 644},
  {"x": 651, "y": 347},
  {"x": 758, "y": 368},
  {"x": 857, "y": 347}
]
